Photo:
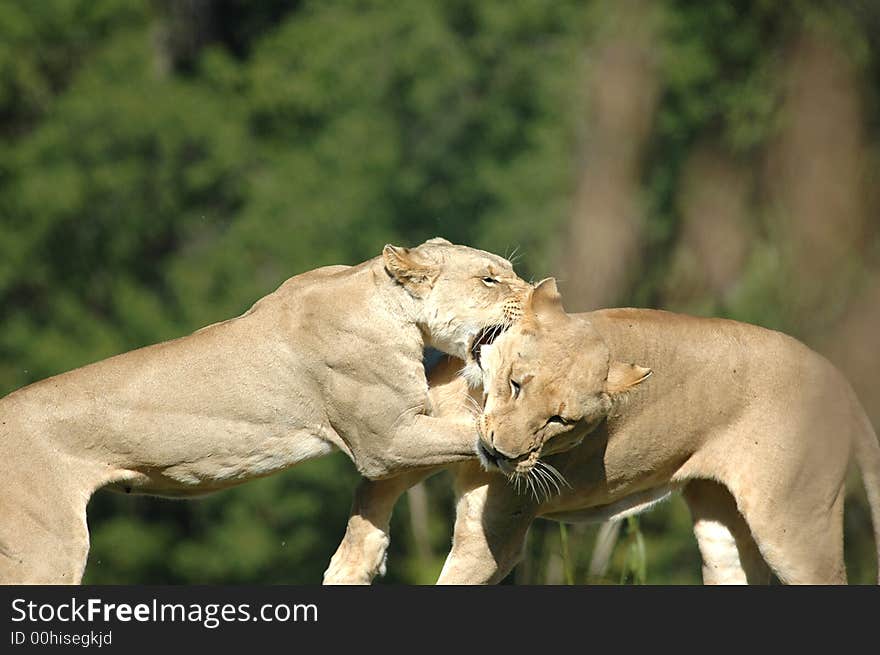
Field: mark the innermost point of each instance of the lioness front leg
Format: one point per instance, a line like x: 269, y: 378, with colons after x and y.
x: 423, y: 442
x: 361, y: 555
x: 491, y: 523
x: 44, y: 538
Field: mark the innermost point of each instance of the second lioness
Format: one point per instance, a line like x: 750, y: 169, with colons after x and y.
x: 755, y: 429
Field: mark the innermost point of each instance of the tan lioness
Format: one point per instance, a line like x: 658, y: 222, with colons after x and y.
x: 600, y: 415
x: 331, y: 360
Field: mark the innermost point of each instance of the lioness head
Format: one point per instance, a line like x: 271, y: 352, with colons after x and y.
x: 466, y: 297
x: 549, y: 381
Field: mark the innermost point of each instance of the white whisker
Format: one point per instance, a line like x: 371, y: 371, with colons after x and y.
x: 530, y: 483
x: 557, y: 474
x: 549, y: 483
x: 536, y: 488
x: 414, y: 410
x: 539, y: 465
x: 517, y: 479
x: 542, y: 485
x: 470, y: 400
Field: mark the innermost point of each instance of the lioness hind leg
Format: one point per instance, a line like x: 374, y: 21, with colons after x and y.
x: 730, y: 554
x: 805, y: 548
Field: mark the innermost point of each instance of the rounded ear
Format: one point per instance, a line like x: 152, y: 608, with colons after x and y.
x: 440, y: 241
x: 545, y: 298
x: 622, y: 377
x: 410, y: 270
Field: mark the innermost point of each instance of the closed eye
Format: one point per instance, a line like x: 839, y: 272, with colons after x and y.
x: 490, y: 281
x: 515, y: 388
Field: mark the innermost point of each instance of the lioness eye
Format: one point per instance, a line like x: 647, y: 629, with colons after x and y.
x: 514, y: 388
x: 489, y: 280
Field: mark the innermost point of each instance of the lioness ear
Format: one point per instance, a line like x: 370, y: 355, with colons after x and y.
x: 440, y: 241
x: 625, y: 376
x: 545, y: 298
x: 415, y: 274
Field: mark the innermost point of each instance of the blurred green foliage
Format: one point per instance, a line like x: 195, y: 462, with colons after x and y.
x: 161, y: 170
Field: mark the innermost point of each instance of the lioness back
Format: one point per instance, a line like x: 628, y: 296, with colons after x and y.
x: 722, y: 351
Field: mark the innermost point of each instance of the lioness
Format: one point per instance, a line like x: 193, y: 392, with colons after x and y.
x: 331, y: 360
x: 754, y: 428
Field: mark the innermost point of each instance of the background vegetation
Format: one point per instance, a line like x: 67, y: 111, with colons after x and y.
x: 164, y: 164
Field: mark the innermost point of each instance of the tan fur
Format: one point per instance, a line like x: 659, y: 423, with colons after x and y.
x: 767, y: 420
x: 361, y: 555
x: 331, y: 360
x: 755, y: 429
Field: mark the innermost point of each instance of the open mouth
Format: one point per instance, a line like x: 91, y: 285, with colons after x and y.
x: 485, y: 337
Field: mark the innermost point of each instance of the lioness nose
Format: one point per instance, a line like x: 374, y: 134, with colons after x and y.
x: 492, y: 453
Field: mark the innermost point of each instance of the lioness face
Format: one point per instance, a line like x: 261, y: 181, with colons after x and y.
x: 468, y: 297
x: 549, y: 382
